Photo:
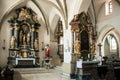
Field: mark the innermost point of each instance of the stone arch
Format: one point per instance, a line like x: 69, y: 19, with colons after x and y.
x: 54, y: 25
x: 28, y: 4
x: 53, y: 14
x: 4, y: 26
x: 108, y: 30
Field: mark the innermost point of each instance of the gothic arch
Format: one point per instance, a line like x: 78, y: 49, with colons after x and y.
x: 108, y: 30
x: 54, y: 26
x: 23, y: 3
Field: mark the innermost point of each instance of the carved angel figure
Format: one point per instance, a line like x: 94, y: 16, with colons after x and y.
x: 22, y: 14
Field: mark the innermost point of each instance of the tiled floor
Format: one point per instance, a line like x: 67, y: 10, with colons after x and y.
x: 38, y: 74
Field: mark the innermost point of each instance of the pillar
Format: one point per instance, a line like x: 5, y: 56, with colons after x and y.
x: 16, y: 35
x: 32, y: 37
x: 11, y: 33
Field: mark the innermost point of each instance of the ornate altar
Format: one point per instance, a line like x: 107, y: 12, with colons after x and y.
x: 59, y: 37
x: 83, y: 39
x: 24, y: 41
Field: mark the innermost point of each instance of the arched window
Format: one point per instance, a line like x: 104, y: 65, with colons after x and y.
x: 112, y: 43
x: 108, y: 7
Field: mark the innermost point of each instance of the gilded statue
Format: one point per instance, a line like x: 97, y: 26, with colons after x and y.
x: 25, y: 54
x: 20, y: 37
x: 24, y: 39
x: 28, y: 38
x: 36, y: 44
x: 35, y: 18
x: 12, y: 42
x: 83, y: 19
x: 77, y: 46
x: 25, y: 29
x: 93, y: 47
x: 75, y: 18
x: 23, y: 13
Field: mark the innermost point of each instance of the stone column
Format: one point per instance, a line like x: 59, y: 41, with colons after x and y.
x: 32, y: 36
x: 11, y: 33
x: 16, y: 35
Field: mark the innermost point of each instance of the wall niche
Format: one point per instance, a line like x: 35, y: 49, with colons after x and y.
x: 24, y: 40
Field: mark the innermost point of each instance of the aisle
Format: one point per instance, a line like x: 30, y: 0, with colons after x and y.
x: 38, y: 74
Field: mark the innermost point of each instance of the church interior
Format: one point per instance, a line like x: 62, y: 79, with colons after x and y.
x: 61, y: 39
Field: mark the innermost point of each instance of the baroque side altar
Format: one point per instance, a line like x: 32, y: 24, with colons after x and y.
x: 24, y: 37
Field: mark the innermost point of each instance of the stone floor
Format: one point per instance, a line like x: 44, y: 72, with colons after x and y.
x: 54, y: 74
x: 39, y: 74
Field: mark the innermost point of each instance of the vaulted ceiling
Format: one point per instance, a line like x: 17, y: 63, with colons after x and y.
x: 50, y: 11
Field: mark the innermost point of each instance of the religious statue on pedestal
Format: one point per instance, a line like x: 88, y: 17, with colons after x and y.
x: 20, y: 37
x: 22, y: 14
x: 25, y: 54
x: 12, y: 42
x: 47, y: 51
x: 77, y: 46
x: 36, y: 44
x: 28, y: 38
x: 24, y: 39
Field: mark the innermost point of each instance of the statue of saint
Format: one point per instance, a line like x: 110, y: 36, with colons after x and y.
x: 20, y: 37
x: 77, y: 46
x: 93, y: 47
x: 35, y: 18
x: 28, y: 38
x: 25, y: 54
x: 24, y: 39
x: 22, y: 15
x: 25, y: 29
x: 47, y: 51
x: 75, y: 18
x: 36, y: 44
x: 12, y: 42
